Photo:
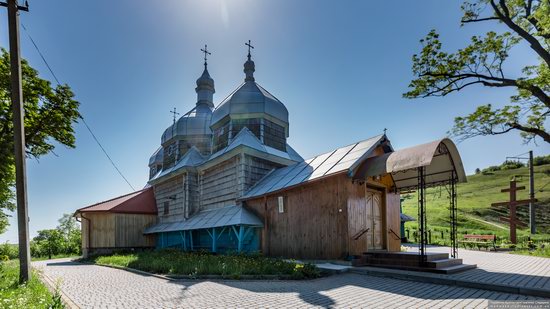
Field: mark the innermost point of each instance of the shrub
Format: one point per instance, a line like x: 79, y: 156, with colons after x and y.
x: 195, y: 264
x: 9, y: 250
x: 511, y: 165
x: 541, y: 160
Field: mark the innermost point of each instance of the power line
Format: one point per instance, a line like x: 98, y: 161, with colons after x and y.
x: 81, y: 117
x: 40, y: 53
x: 105, y: 152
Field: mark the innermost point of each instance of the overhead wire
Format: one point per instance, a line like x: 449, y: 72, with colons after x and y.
x: 81, y: 117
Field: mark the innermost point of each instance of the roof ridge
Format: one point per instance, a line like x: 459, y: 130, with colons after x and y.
x: 112, y: 199
x: 229, y: 95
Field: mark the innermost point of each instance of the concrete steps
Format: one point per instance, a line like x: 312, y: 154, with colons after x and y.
x: 435, y: 262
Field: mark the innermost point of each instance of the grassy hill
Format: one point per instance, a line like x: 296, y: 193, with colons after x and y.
x: 475, y: 214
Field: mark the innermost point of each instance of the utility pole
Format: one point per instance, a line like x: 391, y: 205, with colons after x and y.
x: 19, y: 139
x: 532, y: 222
x: 532, y: 206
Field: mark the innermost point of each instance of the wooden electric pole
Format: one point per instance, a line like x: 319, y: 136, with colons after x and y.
x: 532, y: 221
x: 19, y: 139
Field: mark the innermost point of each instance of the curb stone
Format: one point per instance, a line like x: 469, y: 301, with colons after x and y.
x: 200, y: 277
x: 51, y: 286
x: 453, y: 282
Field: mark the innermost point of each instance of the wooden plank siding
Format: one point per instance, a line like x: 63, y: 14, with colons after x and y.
x: 116, y: 230
x: 321, y: 218
x: 393, y: 221
x: 129, y: 230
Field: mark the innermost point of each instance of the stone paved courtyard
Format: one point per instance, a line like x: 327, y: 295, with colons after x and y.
x: 501, y: 268
x: 90, y: 286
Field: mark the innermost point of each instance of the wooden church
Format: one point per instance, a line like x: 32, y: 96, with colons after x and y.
x: 225, y: 179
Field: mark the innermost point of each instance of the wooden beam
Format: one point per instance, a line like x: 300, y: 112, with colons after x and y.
x: 515, y: 203
x: 214, y: 240
x: 517, y: 189
x: 518, y: 222
x: 241, y: 238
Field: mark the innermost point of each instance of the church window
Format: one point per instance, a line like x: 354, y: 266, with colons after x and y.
x: 166, y: 208
x: 252, y: 124
x: 274, y: 135
x: 171, y: 150
x: 221, y: 136
x: 281, y: 202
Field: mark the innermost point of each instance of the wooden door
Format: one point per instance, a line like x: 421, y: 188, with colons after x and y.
x: 375, y: 223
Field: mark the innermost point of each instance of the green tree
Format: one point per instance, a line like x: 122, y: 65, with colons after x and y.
x: 48, y: 243
x: 50, y: 113
x: 70, y: 231
x: 482, y: 62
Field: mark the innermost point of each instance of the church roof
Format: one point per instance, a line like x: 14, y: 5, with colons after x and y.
x: 192, y: 158
x: 220, y: 217
x: 250, y: 98
x: 139, y: 202
x: 194, y: 122
x: 246, y: 138
x: 157, y: 157
x: 344, y: 159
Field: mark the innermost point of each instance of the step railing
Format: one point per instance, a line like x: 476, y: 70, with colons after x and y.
x: 393, y: 233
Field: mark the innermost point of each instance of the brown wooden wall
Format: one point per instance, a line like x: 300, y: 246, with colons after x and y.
x: 129, y: 230
x: 393, y: 221
x: 314, y: 222
x: 321, y: 218
x: 112, y: 230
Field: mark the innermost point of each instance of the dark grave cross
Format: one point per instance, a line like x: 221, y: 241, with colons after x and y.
x: 512, y: 204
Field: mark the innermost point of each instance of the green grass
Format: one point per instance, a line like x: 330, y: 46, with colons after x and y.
x: 175, y: 262
x: 33, y: 294
x: 541, y: 252
x: 474, y: 203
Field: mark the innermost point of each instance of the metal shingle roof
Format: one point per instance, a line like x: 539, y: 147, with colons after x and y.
x: 339, y: 160
x: 246, y: 138
x: 226, y: 216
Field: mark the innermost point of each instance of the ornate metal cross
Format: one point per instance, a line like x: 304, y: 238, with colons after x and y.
x: 175, y: 114
x: 206, y: 53
x: 513, y: 219
x: 249, y: 47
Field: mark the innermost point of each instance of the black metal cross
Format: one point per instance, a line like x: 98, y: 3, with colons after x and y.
x: 249, y: 47
x: 206, y: 53
x: 175, y: 114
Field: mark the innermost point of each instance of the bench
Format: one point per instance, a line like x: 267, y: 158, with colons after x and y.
x: 480, y: 241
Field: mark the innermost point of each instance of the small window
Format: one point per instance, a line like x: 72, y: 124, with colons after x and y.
x: 281, y: 204
x: 166, y: 207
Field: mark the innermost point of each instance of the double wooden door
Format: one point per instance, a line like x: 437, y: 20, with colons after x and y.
x: 366, y: 222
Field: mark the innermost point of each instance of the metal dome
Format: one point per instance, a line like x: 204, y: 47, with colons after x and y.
x: 157, y: 157
x: 250, y: 98
x: 195, y: 122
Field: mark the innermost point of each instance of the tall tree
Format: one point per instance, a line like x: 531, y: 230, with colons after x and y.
x: 50, y: 114
x: 482, y: 62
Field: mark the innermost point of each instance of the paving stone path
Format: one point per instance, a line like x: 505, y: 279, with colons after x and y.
x: 502, y: 268
x: 90, y: 286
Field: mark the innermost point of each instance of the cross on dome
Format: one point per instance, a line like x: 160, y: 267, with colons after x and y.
x: 175, y: 114
x: 249, y: 47
x: 206, y: 53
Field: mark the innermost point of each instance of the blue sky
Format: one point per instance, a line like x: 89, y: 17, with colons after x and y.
x: 340, y: 67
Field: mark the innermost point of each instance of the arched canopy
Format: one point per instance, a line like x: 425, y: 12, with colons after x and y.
x: 440, y: 159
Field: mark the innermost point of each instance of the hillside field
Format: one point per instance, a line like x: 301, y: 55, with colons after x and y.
x: 475, y: 214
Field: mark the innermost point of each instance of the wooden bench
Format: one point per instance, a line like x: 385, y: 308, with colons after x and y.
x: 479, y: 241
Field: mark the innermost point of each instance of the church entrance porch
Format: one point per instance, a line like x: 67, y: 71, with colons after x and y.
x: 415, y: 169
